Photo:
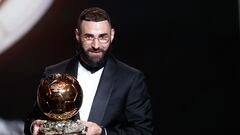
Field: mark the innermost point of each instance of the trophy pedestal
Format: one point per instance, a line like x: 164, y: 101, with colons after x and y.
x: 66, y: 127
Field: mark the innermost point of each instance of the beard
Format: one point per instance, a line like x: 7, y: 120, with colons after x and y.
x: 91, y: 60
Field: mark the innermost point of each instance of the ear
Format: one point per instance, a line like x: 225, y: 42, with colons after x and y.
x: 77, y: 34
x: 112, y: 34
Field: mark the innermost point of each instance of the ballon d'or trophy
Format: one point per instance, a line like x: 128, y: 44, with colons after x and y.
x: 59, y: 97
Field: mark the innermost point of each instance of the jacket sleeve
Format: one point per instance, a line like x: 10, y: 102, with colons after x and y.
x: 138, y: 111
x: 35, y: 114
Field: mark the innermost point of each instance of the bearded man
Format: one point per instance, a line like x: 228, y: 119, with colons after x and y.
x: 115, y: 96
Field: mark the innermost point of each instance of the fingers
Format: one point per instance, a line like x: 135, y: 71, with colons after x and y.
x: 36, y: 125
x: 92, y: 128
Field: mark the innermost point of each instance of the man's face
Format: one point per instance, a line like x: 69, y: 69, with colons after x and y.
x: 95, y: 38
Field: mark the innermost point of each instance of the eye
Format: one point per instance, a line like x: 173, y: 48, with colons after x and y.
x: 103, y: 37
x: 88, y: 37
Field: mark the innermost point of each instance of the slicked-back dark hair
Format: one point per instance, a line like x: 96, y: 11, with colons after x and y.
x: 94, y: 14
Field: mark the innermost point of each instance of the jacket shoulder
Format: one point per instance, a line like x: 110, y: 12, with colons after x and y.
x: 59, y: 64
x: 127, y: 69
x: 59, y: 67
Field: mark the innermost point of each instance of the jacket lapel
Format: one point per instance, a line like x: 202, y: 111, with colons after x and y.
x: 72, y: 67
x: 103, y: 93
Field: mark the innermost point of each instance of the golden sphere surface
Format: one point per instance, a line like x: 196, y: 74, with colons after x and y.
x: 59, y: 96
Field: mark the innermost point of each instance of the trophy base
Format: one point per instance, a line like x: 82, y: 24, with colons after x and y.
x: 67, y: 127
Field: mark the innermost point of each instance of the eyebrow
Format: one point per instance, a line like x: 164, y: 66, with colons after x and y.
x: 103, y: 34
x: 100, y: 35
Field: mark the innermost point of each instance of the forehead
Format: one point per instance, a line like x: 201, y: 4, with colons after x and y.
x: 95, y: 27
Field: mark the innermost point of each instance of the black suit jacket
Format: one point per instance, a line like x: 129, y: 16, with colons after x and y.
x: 121, y: 105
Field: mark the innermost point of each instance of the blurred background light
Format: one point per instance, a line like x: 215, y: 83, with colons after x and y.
x: 17, y: 17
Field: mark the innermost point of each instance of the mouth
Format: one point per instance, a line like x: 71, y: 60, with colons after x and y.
x: 95, y: 53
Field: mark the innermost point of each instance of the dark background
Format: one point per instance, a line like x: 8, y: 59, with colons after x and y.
x: 186, y: 48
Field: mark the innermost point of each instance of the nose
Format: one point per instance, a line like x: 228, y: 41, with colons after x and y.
x: 95, y: 43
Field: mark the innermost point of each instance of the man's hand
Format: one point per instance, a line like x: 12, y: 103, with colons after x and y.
x: 91, y: 128
x: 36, y: 125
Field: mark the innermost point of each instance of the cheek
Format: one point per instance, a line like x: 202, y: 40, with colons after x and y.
x: 85, y: 46
x: 105, y: 47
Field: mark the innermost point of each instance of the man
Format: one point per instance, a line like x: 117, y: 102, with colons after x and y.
x: 115, y: 101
